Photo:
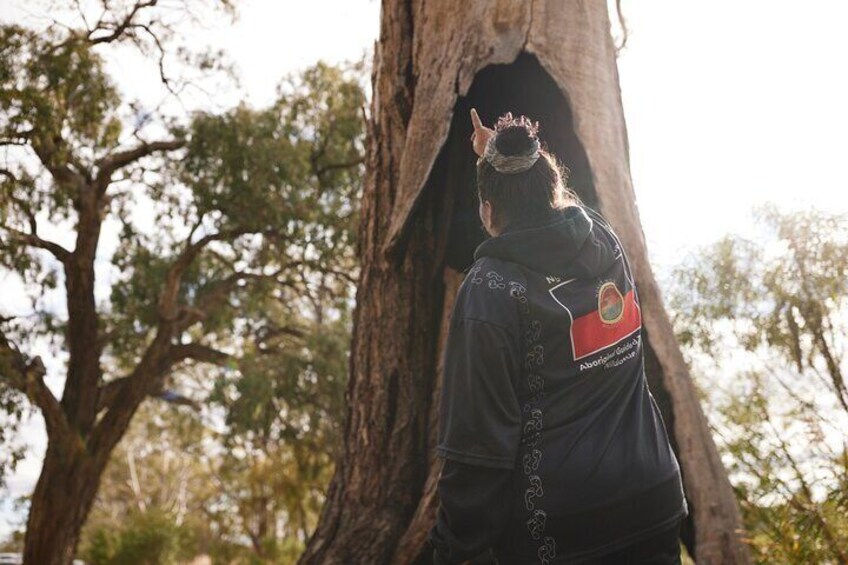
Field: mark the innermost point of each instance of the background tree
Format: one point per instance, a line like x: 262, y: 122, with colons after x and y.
x: 222, y: 220
x: 770, y: 314
x: 283, y: 417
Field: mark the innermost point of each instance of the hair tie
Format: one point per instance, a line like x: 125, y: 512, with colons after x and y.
x: 511, y: 164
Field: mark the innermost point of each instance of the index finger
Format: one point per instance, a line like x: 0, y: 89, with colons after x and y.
x: 475, y: 120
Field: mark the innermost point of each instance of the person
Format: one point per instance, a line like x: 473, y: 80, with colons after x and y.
x: 554, y: 448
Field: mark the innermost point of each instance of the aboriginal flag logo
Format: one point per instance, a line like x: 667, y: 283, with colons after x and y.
x: 602, y: 316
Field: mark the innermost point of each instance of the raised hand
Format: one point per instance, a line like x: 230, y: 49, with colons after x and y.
x: 481, y: 134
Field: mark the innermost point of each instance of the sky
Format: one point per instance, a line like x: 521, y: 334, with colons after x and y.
x: 730, y: 104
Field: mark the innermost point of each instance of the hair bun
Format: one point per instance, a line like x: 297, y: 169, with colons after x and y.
x: 515, y: 136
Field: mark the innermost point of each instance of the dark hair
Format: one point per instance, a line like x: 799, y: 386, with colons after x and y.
x: 530, y: 197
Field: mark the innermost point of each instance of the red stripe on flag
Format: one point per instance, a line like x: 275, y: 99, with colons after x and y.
x: 589, y: 334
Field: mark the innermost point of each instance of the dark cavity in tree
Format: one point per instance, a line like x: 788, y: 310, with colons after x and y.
x: 521, y: 87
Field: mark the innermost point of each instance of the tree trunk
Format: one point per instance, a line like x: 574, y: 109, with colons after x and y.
x: 63, y: 496
x: 66, y: 490
x: 553, y: 60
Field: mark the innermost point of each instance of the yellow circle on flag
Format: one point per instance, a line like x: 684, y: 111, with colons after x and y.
x: 610, y: 303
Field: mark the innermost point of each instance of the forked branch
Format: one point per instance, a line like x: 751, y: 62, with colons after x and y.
x: 27, y: 376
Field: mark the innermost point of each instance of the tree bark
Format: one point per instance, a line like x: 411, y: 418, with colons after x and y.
x: 63, y: 496
x: 415, y: 535
x: 555, y: 61
x: 393, y: 354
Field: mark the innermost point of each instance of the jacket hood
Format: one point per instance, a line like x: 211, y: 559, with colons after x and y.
x: 569, y: 245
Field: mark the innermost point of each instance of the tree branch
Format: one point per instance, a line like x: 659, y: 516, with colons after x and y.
x: 197, y: 352
x: 808, y: 507
x: 118, y: 28
x: 320, y: 170
x: 108, y: 392
x: 162, y: 75
x: 111, y: 163
x: 17, y: 138
x: 27, y: 376
x: 216, y: 293
x: 168, y: 307
x: 33, y: 240
x: 46, y: 148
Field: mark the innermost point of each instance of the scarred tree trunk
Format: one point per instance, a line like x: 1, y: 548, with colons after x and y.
x: 555, y: 61
x: 396, y: 325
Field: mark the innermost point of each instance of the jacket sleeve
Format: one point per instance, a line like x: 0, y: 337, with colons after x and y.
x: 479, y: 434
x: 479, y: 413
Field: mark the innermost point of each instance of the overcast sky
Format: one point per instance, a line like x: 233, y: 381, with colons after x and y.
x: 729, y: 104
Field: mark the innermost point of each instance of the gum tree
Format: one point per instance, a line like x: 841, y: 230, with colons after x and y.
x: 150, y: 245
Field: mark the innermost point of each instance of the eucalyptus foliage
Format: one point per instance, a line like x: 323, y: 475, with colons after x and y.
x: 767, y: 318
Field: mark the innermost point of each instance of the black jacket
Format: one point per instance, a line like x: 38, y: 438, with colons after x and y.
x: 554, y: 446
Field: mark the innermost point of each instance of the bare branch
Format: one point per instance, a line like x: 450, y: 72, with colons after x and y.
x: 82, y: 15
x: 117, y: 28
x: 162, y: 75
x: 127, y: 28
